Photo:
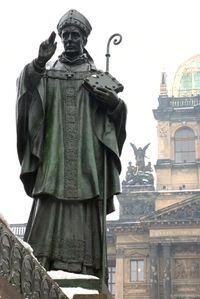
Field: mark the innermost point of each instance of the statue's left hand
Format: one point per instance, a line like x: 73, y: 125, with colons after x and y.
x: 107, y: 96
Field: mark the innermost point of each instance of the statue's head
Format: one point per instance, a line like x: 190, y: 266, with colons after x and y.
x: 74, y: 29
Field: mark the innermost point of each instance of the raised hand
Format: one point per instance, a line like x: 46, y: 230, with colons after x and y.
x: 46, y: 50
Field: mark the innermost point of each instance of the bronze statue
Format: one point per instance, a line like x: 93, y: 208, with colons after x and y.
x: 63, y: 130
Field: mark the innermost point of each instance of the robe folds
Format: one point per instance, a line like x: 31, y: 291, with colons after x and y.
x: 62, y: 133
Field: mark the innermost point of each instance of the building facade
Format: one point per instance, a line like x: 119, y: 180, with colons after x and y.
x: 154, y: 247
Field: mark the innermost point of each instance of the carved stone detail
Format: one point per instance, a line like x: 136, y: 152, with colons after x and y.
x: 137, y: 208
x: 22, y: 271
x: 119, y: 252
x: 186, y: 249
x: 163, y: 130
x: 186, y: 268
x: 183, y: 290
x: 135, y: 289
x: 183, y: 211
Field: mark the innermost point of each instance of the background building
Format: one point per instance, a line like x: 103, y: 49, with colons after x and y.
x: 154, y: 247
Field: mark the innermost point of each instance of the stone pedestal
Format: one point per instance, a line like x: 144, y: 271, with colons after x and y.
x: 92, y: 284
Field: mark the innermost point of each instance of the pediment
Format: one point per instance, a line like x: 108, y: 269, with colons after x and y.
x: 186, y: 210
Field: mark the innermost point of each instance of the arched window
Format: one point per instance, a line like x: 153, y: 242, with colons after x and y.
x: 184, y: 145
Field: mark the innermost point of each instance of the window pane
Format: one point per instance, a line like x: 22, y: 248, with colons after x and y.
x: 184, y: 157
x: 141, y: 265
x: 184, y: 145
x: 178, y: 134
x: 140, y: 276
x: 184, y: 133
x: 178, y: 158
x: 197, y: 80
x: 133, y: 266
x: 133, y: 270
x: 178, y: 146
x: 133, y: 276
x: 113, y: 289
x: 140, y: 270
x: 186, y: 81
x: 190, y: 134
x: 191, y: 157
x: 113, y: 277
x: 191, y: 145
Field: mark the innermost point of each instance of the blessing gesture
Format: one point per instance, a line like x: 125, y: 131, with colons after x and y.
x: 46, y: 50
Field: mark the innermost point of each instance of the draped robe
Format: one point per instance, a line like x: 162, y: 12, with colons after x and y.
x: 63, y: 131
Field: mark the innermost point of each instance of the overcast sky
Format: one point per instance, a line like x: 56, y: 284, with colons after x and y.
x: 156, y: 34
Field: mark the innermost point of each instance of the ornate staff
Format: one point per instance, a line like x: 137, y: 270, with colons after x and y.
x: 116, y: 41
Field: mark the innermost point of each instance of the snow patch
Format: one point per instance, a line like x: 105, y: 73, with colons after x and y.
x: 59, y: 274
x: 3, y: 219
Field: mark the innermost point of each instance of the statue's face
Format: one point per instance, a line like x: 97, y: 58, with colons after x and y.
x: 73, y: 41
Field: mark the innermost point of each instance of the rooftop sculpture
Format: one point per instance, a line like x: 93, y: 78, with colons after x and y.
x: 140, y: 174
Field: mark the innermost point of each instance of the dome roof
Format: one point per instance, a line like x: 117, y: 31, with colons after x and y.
x: 187, y: 78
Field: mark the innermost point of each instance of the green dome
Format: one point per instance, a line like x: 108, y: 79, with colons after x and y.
x: 187, y: 78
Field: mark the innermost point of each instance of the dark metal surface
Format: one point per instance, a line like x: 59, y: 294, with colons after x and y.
x: 64, y: 132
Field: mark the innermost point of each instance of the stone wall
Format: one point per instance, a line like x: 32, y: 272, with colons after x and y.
x: 21, y: 276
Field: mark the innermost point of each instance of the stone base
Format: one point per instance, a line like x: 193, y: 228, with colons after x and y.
x: 89, y: 284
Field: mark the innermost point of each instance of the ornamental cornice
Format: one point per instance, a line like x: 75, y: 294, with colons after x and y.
x: 172, y: 224
x: 128, y: 227
x: 144, y: 226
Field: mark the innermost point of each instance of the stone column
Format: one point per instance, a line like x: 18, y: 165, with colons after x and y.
x: 167, y: 271
x: 154, y: 271
x: 119, y: 287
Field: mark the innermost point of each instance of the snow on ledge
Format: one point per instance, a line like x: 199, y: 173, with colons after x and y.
x: 59, y: 274
x: 70, y: 292
x: 3, y: 219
